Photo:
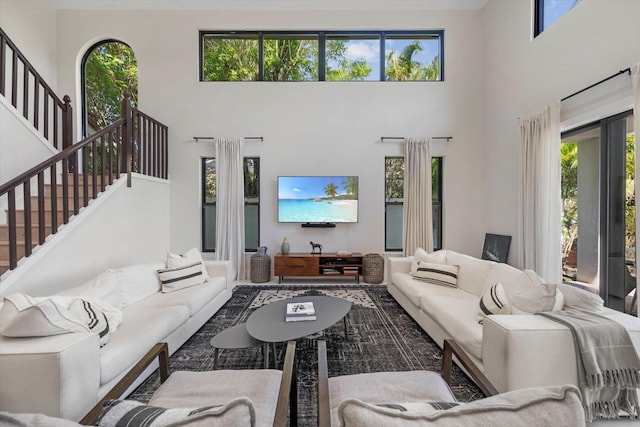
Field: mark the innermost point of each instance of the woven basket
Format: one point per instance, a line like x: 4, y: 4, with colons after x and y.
x: 373, y: 268
x: 260, y: 268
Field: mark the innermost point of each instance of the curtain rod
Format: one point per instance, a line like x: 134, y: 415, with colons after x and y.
x: 246, y: 138
x: 627, y: 70
x: 402, y: 138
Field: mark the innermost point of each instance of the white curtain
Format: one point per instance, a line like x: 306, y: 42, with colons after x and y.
x: 230, y: 203
x: 417, y: 212
x: 540, y: 205
x: 635, y: 79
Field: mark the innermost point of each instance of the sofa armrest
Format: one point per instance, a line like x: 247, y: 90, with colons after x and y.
x: 400, y: 264
x: 161, y: 351
x: 520, y: 351
x: 56, y: 375
x: 221, y: 268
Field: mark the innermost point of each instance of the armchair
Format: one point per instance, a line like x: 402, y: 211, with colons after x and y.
x: 258, y: 397
x: 424, y: 398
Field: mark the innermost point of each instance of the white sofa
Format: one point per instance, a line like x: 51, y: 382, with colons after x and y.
x: 65, y: 375
x: 513, y: 351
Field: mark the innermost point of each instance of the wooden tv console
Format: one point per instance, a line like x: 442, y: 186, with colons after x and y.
x: 318, y: 265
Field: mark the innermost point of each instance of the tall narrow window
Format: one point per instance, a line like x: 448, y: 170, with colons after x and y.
x: 251, y: 169
x: 109, y: 68
x: 394, y: 201
x: 598, y: 209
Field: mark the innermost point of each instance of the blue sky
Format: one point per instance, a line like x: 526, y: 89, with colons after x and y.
x: 370, y: 51
x: 307, y: 187
x: 554, y: 9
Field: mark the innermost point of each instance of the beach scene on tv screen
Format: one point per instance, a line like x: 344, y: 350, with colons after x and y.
x: 318, y: 199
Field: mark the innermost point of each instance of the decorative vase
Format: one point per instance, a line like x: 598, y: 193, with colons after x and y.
x: 284, y: 248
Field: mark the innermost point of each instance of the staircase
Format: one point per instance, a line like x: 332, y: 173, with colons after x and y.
x: 36, y: 208
x: 35, y: 230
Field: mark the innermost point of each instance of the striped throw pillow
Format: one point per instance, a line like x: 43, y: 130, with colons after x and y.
x: 437, y: 274
x: 130, y: 413
x: 493, y: 301
x: 173, y: 279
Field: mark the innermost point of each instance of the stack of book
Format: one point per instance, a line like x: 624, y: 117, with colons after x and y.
x: 300, y: 311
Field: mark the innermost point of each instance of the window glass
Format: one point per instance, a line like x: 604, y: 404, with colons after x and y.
x: 350, y: 57
x: 549, y: 11
x: 394, y: 200
x: 251, y: 204
x: 290, y: 58
x: 229, y: 57
x: 412, y: 57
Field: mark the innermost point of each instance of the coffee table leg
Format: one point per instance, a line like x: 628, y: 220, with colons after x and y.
x: 215, y: 357
x: 275, y: 355
x: 265, y: 354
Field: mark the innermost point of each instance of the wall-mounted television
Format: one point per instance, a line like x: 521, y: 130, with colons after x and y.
x: 318, y: 199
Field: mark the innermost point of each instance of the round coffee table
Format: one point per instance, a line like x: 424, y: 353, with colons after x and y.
x: 268, y: 323
x: 237, y: 337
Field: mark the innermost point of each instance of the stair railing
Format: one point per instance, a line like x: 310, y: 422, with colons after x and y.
x: 135, y: 143
x: 32, y: 97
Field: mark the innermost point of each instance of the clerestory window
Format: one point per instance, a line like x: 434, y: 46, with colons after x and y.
x: 322, y: 56
x: 547, y: 12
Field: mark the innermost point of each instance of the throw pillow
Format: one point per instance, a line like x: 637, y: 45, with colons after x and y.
x: 103, y: 287
x: 238, y: 412
x: 528, y: 294
x: 189, y: 257
x: 437, y: 274
x: 419, y: 407
x: 25, y: 316
x: 137, y: 282
x: 92, y: 317
x: 493, y: 301
x: 437, y: 257
x: 173, y: 279
x: 581, y: 299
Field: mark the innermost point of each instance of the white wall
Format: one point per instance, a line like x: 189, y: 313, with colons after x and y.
x: 31, y: 25
x: 593, y: 41
x: 308, y: 128
x: 124, y: 226
x: 21, y: 146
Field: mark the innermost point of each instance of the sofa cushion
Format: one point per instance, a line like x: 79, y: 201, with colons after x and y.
x: 437, y: 274
x: 137, y: 282
x: 501, y: 273
x: 141, y: 328
x: 104, y: 287
x: 493, y: 301
x: 456, y: 312
x: 194, y: 389
x: 131, y: 413
x: 34, y: 420
x: 380, y: 387
x: 194, y: 297
x: 542, y: 407
x: 174, y: 279
x: 472, y: 273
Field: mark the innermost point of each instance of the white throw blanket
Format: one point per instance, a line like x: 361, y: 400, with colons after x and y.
x: 608, y: 364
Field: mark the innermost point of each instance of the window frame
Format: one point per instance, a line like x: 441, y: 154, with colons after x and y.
x: 439, y: 204
x: 205, y: 204
x: 538, y: 16
x: 322, y: 37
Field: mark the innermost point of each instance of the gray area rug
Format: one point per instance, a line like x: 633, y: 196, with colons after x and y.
x: 382, y: 337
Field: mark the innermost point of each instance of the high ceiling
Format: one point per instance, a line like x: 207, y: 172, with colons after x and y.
x: 272, y: 4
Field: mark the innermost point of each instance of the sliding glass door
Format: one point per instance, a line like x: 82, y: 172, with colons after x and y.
x: 598, y: 208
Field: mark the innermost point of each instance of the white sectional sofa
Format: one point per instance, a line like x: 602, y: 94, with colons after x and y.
x: 513, y: 351
x: 64, y: 375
